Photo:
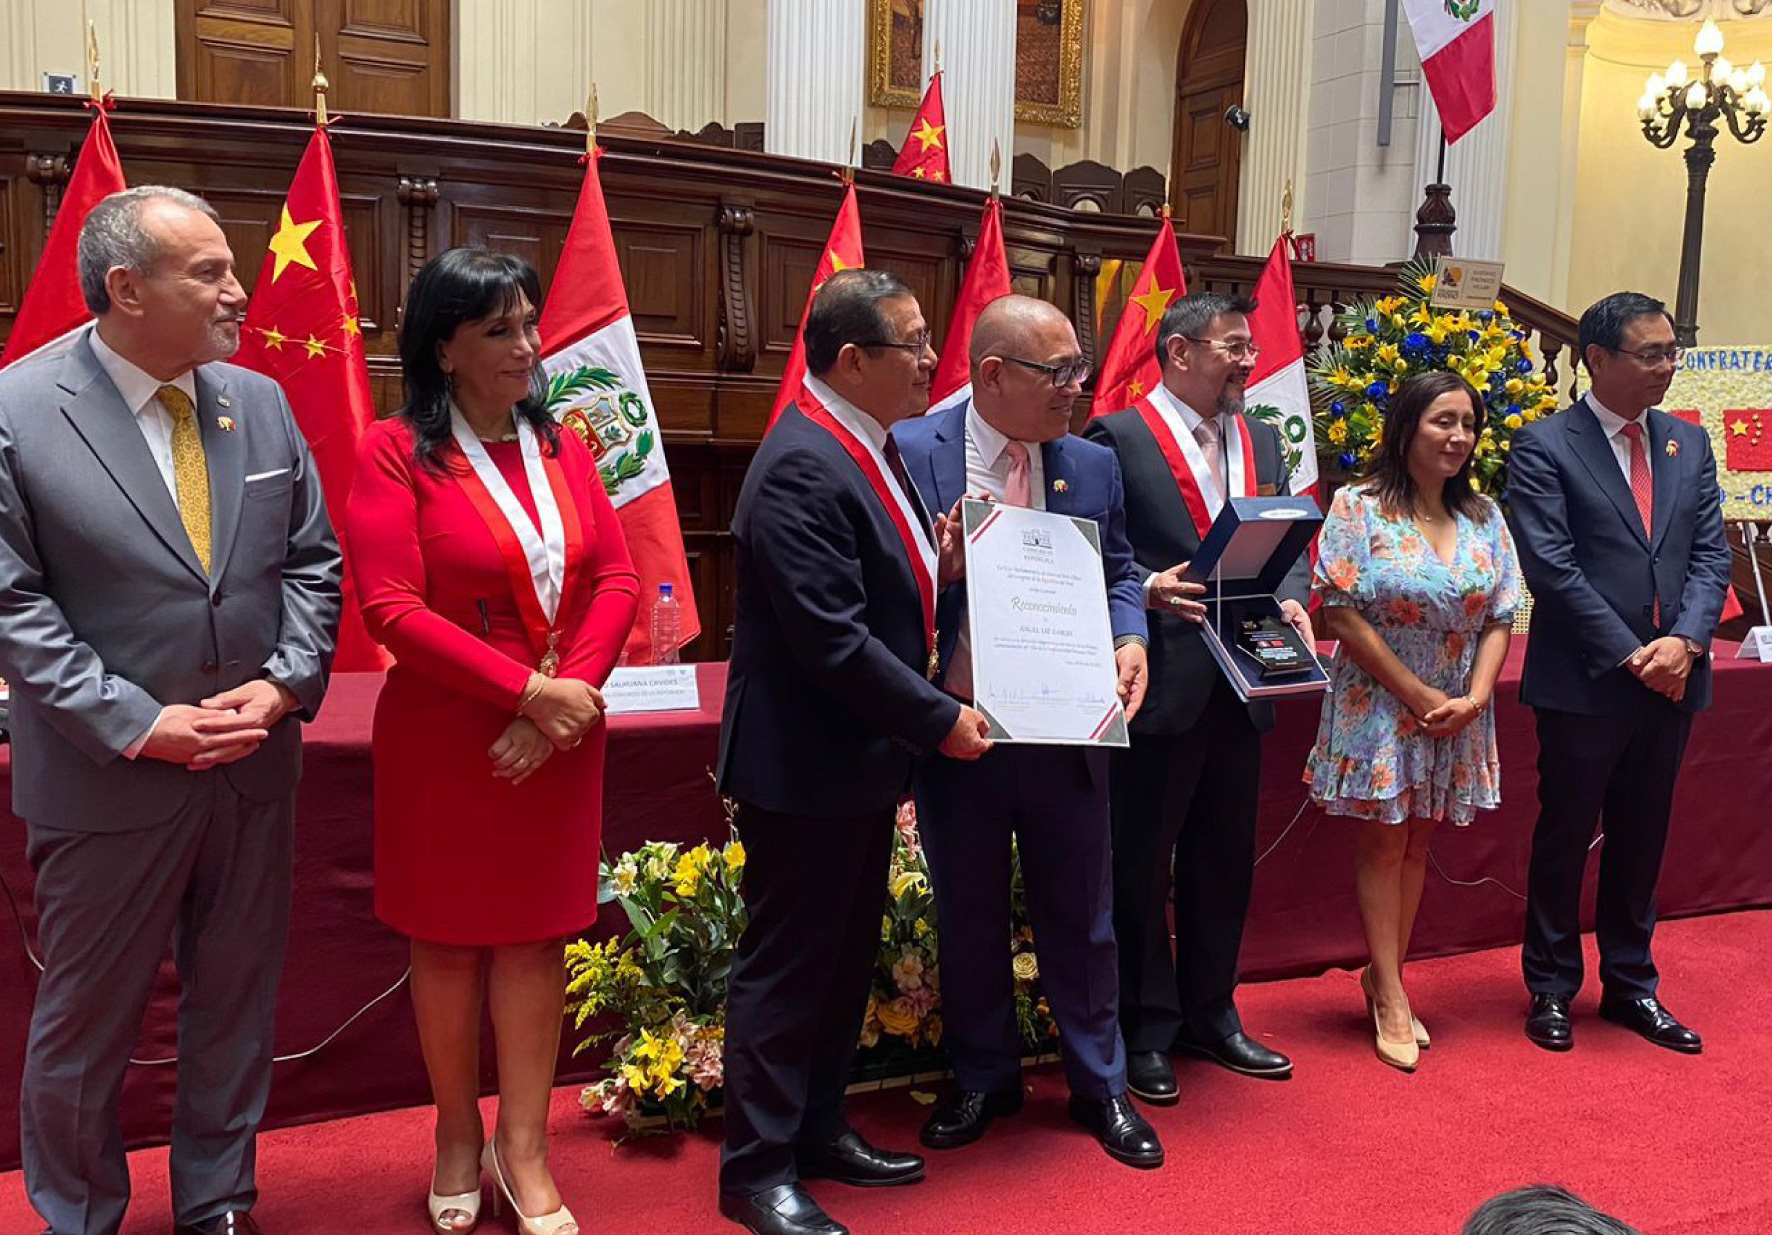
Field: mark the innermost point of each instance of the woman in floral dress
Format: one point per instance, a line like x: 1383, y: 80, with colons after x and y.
x: 1419, y: 582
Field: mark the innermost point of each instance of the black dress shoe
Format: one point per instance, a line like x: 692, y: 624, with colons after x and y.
x: 1240, y: 1053
x: 785, y: 1210
x: 1151, y: 1078
x: 851, y: 1160
x: 1654, y: 1022
x: 963, y: 1118
x: 239, y: 1223
x: 1122, y: 1131
x: 1548, y: 1024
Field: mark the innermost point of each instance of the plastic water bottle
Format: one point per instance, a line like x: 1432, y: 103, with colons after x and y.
x: 667, y: 627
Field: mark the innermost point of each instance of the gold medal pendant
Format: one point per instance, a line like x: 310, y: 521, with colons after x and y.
x: 934, y: 657
x: 550, y: 659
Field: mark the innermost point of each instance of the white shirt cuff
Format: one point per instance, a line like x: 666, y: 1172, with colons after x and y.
x: 135, y: 747
x: 1148, y: 581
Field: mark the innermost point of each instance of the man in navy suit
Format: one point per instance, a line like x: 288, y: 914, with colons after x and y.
x: 1618, y: 519
x: 828, y: 703
x: 1185, y: 794
x: 1010, y: 442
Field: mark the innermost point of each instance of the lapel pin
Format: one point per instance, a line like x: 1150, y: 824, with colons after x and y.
x: 224, y: 401
x: 225, y: 423
x: 1673, y: 449
x: 1060, y: 486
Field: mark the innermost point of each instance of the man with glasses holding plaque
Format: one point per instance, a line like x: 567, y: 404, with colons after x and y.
x: 1185, y: 793
x: 1618, y: 520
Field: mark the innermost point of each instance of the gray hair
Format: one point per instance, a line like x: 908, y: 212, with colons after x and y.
x: 1193, y: 314
x: 113, y: 236
x: 1542, y: 1210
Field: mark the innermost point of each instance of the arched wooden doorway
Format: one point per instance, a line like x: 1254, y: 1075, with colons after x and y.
x: 1207, y: 153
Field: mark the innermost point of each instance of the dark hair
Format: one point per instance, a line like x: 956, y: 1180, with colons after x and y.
x: 1387, y: 474
x: 1605, y: 320
x: 1542, y: 1210
x: 462, y: 285
x: 847, y: 310
x: 1192, y: 314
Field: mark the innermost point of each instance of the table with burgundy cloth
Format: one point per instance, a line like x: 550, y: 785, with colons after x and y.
x: 657, y: 787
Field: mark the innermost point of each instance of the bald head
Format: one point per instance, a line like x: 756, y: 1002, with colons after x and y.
x: 1019, y: 346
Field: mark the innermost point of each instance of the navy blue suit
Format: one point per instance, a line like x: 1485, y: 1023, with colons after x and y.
x: 1053, y: 801
x: 826, y: 710
x: 1608, y: 745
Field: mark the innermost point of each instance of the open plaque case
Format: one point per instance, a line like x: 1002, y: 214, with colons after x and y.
x: 1242, y: 563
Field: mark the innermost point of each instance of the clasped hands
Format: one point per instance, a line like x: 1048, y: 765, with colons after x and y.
x: 1441, y: 715
x: 556, y: 713
x: 221, y: 729
x: 1663, y: 665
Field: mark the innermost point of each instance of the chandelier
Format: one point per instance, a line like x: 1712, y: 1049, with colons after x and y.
x: 1721, y: 91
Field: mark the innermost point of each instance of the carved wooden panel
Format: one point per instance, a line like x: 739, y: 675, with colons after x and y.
x: 391, y: 55
x: 667, y: 293
x: 12, y: 248
x: 244, y: 51
x: 536, y: 236
x: 789, y: 262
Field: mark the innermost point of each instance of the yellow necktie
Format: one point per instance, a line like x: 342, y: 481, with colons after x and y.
x: 190, y: 470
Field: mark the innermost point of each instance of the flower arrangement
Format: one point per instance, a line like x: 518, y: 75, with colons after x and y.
x: 1390, y: 338
x: 657, y: 996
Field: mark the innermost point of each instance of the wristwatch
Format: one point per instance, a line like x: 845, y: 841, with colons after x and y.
x: 1694, y: 647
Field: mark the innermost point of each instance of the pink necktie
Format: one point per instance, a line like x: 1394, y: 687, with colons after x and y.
x: 1207, y: 436
x: 1642, y: 488
x: 1015, y: 490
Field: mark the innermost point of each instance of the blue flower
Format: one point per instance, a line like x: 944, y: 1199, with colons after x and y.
x: 1372, y: 325
x: 1524, y: 366
x: 1513, y: 409
x: 1414, y: 341
x: 1377, y: 391
x: 1476, y: 336
x: 1485, y: 315
x: 1347, y: 460
x: 1338, y: 409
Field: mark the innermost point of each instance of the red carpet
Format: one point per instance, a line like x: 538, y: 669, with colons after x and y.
x: 1675, y: 1145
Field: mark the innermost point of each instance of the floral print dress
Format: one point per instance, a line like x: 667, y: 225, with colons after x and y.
x: 1371, y: 759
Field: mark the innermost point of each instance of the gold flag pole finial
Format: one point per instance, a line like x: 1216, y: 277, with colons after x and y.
x: 1286, y: 210
x: 937, y: 58
x: 92, y: 83
x: 849, y: 167
x: 591, y: 122
x: 996, y: 164
x: 321, y: 86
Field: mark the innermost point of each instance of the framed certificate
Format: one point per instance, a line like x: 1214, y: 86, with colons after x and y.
x: 1042, y: 645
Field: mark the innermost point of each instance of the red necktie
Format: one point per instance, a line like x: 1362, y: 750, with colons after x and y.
x: 1642, y: 488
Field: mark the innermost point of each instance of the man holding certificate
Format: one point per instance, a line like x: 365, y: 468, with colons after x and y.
x: 828, y: 702
x: 1188, y: 787
x: 1011, y: 443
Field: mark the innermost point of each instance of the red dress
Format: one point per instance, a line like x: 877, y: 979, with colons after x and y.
x: 462, y: 857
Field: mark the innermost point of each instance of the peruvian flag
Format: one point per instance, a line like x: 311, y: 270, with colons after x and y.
x: 841, y: 252
x: 1131, y: 370
x: 597, y: 389
x: 925, y: 153
x: 301, y: 329
x: 987, y: 279
x: 1456, y: 39
x: 1277, y: 392
x: 53, y: 306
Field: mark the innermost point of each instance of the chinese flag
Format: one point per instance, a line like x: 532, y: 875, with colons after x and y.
x: 1747, y: 438
x: 301, y: 329
x: 597, y: 388
x: 1131, y: 369
x: 925, y: 153
x: 841, y: 252
x: 987, y: 278
x: 53, y: 305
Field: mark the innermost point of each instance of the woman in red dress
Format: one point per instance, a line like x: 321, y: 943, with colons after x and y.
x: 490, y: 564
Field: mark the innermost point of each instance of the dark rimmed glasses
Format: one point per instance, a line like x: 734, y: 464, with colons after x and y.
x: 1062, y: 374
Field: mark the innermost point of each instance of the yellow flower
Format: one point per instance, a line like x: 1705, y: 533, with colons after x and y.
x: 1337, y: 431
x: 1513, y: 421
x: 1514, y: 386
x: 734, y: 855
x: 1429, y: 282
x: 1359, y: 342
x: 625, y: 878
x: 635, y: 1077
x: 1387, y: 354
x: 1421, y: 316
x: 1026, y: 966
x: 687, y: 875
x: 932, y: 1029
x: 1437, y: 331
x: 1400, y: 365
x: 1397, y: 321
x: 898, y: 1017
x: 906, y: 881
x: 920, y: 928
x: 1389, y: 305
x: 1501, y: 307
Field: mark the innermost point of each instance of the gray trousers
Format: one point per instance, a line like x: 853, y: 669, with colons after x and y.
x: 216, y: 882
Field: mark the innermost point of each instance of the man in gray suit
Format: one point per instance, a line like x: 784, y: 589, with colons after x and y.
x: 169, y: 598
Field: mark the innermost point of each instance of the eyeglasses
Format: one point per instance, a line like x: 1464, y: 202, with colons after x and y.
x: 1236, y: 349
x: 1062, y: 374
x: 1653, y: 357
x: 916, y: 346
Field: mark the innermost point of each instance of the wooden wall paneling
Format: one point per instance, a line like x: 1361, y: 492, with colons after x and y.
x: 12, y: 249
x: 244, y: 51
x: 389, y: 56
x: 736, y: 339
x: 662, y: 264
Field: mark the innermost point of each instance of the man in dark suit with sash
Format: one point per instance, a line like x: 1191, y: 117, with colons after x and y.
x: 1011, y: 441
x: 1185, y: 794
x: 1616, y: 512
x: 828, y: 704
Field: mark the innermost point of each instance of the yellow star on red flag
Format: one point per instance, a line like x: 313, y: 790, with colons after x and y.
x: 314, y: 346
x: 274, y: 338
x: 929, y: 135
x: 1738, y: 428
x: 1153, y: 302
x: 290, y: 244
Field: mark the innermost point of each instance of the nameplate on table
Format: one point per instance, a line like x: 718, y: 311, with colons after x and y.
x: 651, y: 688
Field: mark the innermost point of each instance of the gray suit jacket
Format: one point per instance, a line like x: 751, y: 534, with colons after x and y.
x: 105, y: 612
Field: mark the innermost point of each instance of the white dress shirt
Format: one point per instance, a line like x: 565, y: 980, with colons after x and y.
x: 987, y: 471
x: 1183, y: 420
x: 872, y: 435
x: 140, y: 392
x: 1613, y: 424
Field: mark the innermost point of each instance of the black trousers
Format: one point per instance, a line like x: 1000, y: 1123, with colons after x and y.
x: 815, y: 890
x: 1621, y: 769
x: 1184, y: 816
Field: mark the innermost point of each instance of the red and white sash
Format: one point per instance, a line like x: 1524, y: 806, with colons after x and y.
x: 919, y: 552
x: 541, y: 565
x: 1187, y: 463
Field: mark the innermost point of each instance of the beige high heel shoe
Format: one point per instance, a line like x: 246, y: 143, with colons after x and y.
x: 1405, y: 1056
x: 546, y: 1224
x: 462, y: 1202
x: 1415, y: 1025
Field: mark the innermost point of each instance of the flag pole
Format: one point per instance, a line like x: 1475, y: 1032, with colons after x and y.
x: 92, y: 83
x: 849, y: 167
x: 591, y: 121
x: 937, y: 72
x: 996, y: 164
x: 321, y: 85
x: 1286, y: 209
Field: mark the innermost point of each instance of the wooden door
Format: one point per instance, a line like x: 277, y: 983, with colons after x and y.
x: 1207, y: 153
x: 378, y: 55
